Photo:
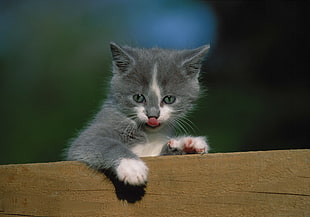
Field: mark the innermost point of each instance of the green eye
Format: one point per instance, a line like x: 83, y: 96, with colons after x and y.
x: 139, y: 98
x: 169, y: 99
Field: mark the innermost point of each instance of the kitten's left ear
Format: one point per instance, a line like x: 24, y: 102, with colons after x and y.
x: 194, y: 59
x: 121, y: 59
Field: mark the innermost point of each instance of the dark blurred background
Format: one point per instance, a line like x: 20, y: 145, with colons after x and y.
x: 55, y: 63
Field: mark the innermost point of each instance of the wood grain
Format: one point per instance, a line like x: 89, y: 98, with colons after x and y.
x: 271, y: 183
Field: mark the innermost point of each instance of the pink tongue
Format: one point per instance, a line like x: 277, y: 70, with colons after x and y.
x: 153, y: 122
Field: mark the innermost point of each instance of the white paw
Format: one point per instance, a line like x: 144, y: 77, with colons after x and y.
x: 132, y: 171
x: 190, y: 144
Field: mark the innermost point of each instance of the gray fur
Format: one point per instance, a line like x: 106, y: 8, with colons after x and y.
x: 116, y: 129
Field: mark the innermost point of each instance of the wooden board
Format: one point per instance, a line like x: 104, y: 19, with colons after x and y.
x: 271, y: 183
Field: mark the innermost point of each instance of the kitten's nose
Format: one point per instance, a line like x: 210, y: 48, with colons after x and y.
x: 152, y: 117
x: 153, y: 113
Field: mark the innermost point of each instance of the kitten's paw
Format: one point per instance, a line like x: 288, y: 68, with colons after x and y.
x: 132, y: 172
x: 190, y: 145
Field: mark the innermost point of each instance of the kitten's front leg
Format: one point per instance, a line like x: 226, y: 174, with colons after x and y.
x: 103, y: 153
x: 186, y: 145
x: 132, y: 171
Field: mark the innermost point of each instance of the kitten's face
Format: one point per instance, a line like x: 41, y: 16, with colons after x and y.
x: 155, y: 87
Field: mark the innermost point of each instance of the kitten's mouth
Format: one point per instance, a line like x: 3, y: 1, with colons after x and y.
x: 153, y: 122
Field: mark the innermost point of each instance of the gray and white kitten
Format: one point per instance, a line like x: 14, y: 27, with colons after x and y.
x: 151, y: 90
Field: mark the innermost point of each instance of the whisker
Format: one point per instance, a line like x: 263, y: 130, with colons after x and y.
x: 171, y: 124
x: 189, y: 124
x: 180, y: 126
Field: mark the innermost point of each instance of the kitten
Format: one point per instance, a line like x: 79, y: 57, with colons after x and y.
x: 151, y: 90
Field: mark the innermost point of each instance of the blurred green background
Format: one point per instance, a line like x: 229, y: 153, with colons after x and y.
x: 55, y: 64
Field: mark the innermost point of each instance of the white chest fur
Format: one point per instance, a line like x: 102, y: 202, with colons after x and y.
x: 153, y: 146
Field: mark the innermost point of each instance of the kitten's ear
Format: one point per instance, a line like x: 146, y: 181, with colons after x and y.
x: 121, y: 59
x: 194, y: 59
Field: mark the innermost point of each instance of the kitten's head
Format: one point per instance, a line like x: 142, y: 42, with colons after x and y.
x: 155, y: 87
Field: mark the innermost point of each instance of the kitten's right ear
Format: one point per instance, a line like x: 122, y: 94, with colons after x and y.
x: 194, y: 59
x: 121, y: 59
